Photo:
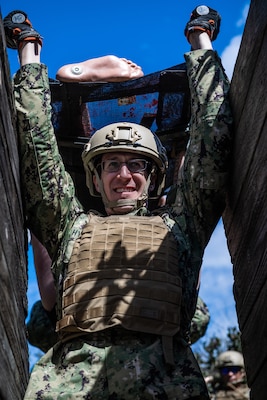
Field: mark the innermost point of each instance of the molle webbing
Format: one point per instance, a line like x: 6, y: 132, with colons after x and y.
x: 123, y: 271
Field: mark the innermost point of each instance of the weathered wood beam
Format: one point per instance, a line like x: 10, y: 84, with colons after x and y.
x: 246, y: 218
x: 14, y: 366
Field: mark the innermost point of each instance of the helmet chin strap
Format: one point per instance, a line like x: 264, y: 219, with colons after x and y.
x: 134, y: 203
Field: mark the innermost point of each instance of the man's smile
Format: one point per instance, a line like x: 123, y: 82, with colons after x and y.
x: 125, y: 189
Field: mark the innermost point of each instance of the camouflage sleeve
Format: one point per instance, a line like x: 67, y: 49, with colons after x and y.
x: 48, y: 190
x: 200, y: 193
x: 41, y: 328
x: 200, y: 321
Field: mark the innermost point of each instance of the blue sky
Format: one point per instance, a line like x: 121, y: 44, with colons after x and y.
x: 150, y: 33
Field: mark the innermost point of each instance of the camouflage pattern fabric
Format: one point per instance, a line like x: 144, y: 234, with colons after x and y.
x: 40, y: 329
x: 125, y: 367
x: 200, y: 321
x: 239, y: 393
x: 101, y: 367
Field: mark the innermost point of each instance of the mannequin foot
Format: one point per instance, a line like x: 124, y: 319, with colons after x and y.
x: 102, y: 69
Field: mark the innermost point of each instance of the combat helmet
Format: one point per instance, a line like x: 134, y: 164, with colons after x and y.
x: 125, y: 137
x: 229, y: 358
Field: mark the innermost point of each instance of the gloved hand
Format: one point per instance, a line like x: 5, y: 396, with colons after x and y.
x: 18, y: 29
x: 204, y: 18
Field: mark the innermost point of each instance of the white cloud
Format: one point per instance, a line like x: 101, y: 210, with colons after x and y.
x: 229, y: 55
x: 242, y: 20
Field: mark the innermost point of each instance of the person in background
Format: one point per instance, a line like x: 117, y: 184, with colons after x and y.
x: 229, y: 380
x: 126, y: 281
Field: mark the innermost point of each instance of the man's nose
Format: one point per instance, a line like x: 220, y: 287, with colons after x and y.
x: 124, y: 171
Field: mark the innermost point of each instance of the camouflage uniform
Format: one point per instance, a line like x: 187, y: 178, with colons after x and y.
x: 240, y: 392
x: 41, y: 330
x: 116, y: 363
x: 200, y: 321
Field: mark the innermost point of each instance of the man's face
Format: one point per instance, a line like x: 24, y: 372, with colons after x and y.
x: 232, y: 374
x: 122, y: 183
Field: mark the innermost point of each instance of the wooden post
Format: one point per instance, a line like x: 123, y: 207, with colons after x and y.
x: 14, y: 364
x: 246, y: 217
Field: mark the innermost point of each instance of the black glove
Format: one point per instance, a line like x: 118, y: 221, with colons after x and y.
x: 18, y: 29
x: 204, y: 18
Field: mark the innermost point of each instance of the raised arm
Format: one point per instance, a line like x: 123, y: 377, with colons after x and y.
x: 45, y: 279
x: 203, y: 178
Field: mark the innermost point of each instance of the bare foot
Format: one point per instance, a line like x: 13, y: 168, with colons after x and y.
x: 101, y: 69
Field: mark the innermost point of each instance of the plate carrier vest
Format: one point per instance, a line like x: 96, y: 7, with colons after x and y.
x: 123, y: 271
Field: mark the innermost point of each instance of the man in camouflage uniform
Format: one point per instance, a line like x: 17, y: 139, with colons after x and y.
x: 125, y: 300
x: 230, y: 384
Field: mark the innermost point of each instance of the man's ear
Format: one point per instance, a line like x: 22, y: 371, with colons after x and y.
x: 96, y: 184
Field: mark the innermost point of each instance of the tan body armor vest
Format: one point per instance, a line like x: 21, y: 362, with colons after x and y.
x: 123, y: 271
